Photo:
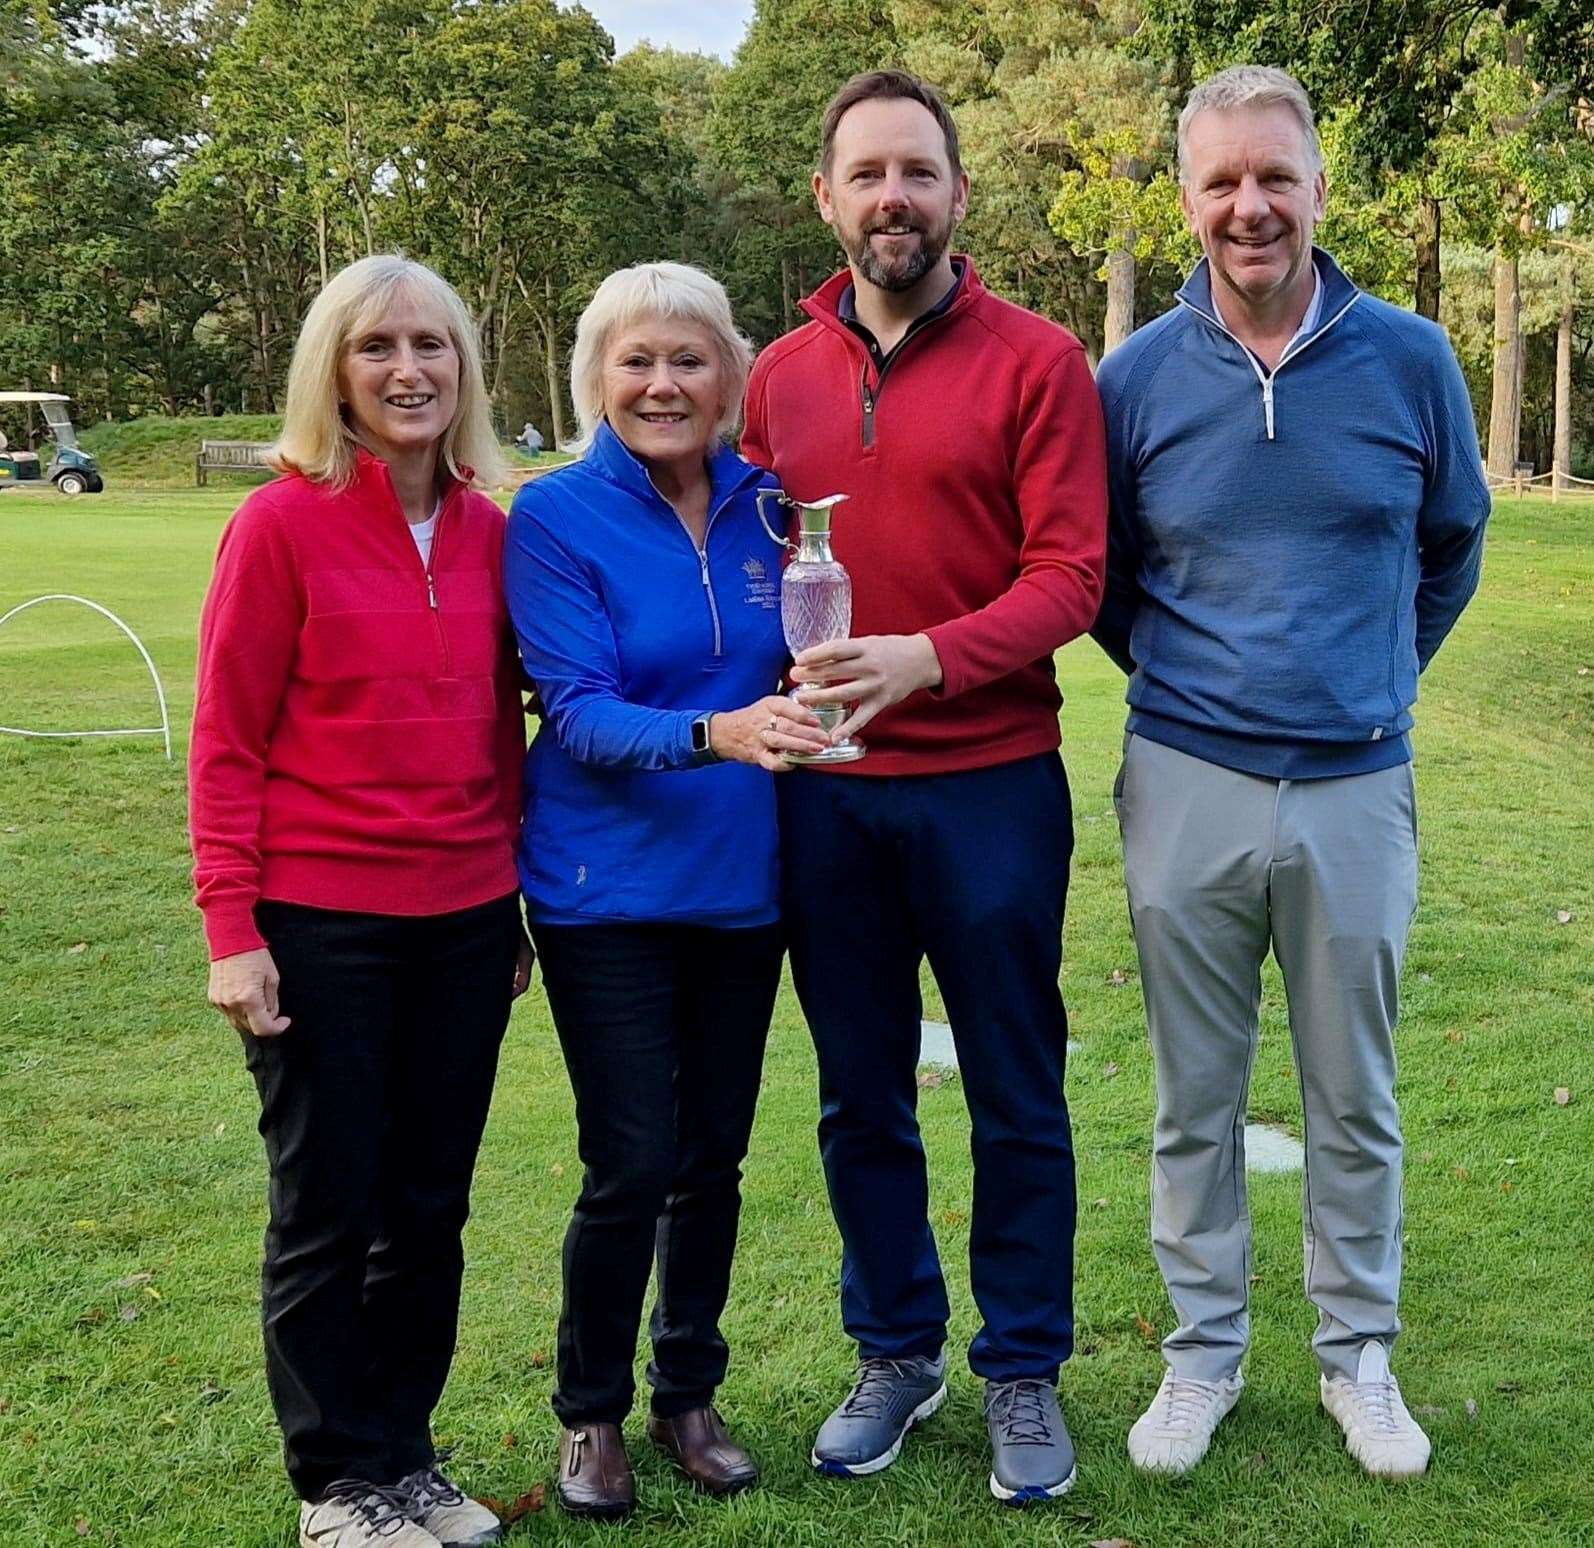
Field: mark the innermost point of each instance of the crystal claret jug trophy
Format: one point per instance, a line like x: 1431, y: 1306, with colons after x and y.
x: 815, y: 604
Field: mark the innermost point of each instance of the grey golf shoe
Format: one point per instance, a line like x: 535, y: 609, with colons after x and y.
x: 448, y: 1513
x: 887, y: 1399
x: 1032, y: 1457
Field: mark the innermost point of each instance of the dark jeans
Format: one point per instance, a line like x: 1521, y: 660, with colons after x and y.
x: 971, y: 871
x: 663, y: 1029
x: 372, y: 1108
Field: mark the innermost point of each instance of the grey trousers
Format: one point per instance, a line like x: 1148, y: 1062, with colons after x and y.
x: 1219, y: 867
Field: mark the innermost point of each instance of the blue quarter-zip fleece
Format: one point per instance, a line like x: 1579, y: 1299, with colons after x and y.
x: 1287, y: 550
x: 630, y: 634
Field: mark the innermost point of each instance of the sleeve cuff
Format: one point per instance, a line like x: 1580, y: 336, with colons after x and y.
x: 231, y: 930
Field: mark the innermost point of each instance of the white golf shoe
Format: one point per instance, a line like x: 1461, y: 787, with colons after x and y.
x: 1379, y: 1430
x: 1174, y: 1433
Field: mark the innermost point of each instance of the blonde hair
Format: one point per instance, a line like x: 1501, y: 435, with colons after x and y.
x: 653, y: 290
x: 1244, y: 86
x: 317, y: 441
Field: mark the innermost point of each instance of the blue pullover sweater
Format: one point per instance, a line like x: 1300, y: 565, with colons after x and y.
x: 630, y: 634
x: 1286, y: 550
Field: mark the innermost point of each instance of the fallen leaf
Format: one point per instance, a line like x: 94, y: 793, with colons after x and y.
x: 1581, y: 672
x: 1564, y: 916
x: 1508, y: 1386
x: 153, y: 1293
x: 5, y: 1405
x: 1563, y: 1096
x: 211, y: 1393
x: 73, y: 951
x: 1426, y: 1157
x: 1472, y: 1409
x: 1099, y: 1204
x: 127, y: 1312
x: 1110, y: 1071
x: 953, y: 1217
x: 1454, y: 1035
x: 1460, y: 1173
x: 1147, y: 1332
x: 511, y: 1440
x: 1117, y: 978
x: 13, y: 830
x: 91, y: 1318
x: 81, y: 1527
x: 1506, y: 1187
x: 930, y: 1079
x: 557, y: 1169
x: 221, y: 1128
x: 528, y: 1504
x: 539, y: 1358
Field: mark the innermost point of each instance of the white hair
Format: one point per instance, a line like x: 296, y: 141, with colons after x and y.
x: 1250, y: 86
x: 644, y: 292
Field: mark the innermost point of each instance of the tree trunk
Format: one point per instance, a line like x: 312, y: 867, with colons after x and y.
x: 1428, y: 259
x: 321, y: 242
x: 1505, y: 404
x: 785, y: 293
x: 1120, y: 296
x: 1562, y: 463
x: 556, y: 388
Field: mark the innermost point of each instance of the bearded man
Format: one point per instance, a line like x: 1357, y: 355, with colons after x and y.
x: 968, y: 437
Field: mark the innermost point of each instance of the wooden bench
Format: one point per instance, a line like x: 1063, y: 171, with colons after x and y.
x: 230, y: 457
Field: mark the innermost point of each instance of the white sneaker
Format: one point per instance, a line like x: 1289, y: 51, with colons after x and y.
x: 1174, y: 1433
x: 1379, y: 1430
x: 448, y: 1513
x: 356, y: 1514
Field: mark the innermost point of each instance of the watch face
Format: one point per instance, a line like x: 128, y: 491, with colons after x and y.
x: 700, y: 736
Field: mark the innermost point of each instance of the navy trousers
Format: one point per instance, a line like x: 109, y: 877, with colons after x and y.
x: 969, y: 870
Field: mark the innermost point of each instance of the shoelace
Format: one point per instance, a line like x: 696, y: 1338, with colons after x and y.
x: 1181, y: 1400
x: 429, y: 1487
x: 1380, y: 1402
x: 1020, y: 1410
x: 385, y: 1507
x: 876, y: 1379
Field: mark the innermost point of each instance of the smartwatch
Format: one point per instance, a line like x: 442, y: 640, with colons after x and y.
x: 702, y: 746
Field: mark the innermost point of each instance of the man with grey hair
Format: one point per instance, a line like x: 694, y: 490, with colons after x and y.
x: 1297, y: 516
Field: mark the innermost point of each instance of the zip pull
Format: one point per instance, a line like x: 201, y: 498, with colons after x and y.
x: 868, y: 413
x: 1267, y: 403
x: 431, y: 592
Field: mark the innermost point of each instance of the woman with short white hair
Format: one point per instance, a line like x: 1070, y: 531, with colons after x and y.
x: 354, y: 801
x: 645, y: 594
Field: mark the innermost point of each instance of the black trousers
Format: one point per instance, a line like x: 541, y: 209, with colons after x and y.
x: 663, y: 1030
x: 372, y: 1106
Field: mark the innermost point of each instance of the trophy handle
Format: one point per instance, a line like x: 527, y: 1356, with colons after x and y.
x: 781, y: 498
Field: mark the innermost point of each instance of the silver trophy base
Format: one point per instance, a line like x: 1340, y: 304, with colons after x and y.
x: 846, y: 752
x: 830, y: 716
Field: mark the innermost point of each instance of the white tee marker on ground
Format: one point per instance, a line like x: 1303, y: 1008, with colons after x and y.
x: 936, y: 1046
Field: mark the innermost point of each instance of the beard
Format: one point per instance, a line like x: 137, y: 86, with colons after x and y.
x: 904, y: 270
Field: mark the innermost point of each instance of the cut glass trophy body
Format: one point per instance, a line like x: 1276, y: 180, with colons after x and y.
x: 815, y: 605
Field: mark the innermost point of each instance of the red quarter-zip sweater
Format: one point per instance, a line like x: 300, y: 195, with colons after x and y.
x: 357, y: 730
x: 977, y: 512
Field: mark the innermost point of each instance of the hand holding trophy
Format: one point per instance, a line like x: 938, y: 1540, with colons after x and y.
x: 815, y: 604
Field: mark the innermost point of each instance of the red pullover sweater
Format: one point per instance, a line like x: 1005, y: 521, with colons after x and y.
x: 977, y: 476
x: 357, y: 728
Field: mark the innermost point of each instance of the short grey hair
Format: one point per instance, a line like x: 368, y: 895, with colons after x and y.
x: 1244, y: 86
x: 637, y: 294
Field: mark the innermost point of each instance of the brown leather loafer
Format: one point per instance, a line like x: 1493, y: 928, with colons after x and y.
x: 704, y: 1451
x: 595, y: 1477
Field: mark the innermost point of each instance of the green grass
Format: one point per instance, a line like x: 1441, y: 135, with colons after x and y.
x: 131, y: 1397
x: 158, y: 452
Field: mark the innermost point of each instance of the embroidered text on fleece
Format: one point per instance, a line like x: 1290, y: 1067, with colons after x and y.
x: 1287, y: 549
x: 630, y: 633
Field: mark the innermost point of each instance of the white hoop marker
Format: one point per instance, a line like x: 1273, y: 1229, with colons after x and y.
x: 163, y: 730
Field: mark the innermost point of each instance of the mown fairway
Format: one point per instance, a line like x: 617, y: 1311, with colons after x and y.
x: 132, y: 1407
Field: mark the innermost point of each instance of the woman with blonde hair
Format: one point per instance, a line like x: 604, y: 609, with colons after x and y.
x: 645, y: 595
x: 354, y: 804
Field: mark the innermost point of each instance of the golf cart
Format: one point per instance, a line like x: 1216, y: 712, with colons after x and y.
x: 71, y: 470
